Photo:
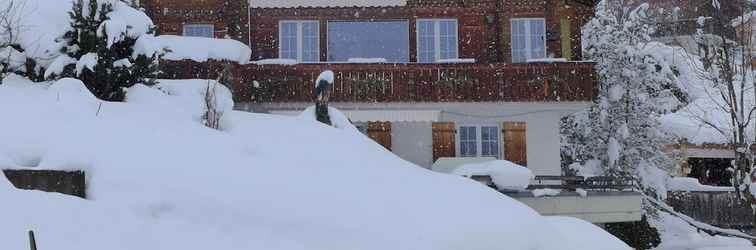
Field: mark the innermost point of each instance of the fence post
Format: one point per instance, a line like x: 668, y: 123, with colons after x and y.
x: 32, y: 242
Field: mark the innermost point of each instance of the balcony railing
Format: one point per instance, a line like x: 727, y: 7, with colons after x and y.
x: 531, y: 82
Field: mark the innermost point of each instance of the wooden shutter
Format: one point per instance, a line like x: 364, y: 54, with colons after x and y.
x: 515, y: 143
x: 380, y: 132
x: 444, y: 140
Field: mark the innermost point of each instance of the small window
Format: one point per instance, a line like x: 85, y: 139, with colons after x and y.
x: 528, y: 39
x: 199, y: 30
x: 437, y: 39
x: 479, y: 141
x: 299, y: 40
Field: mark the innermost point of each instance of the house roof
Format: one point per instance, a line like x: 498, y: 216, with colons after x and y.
x: 324, y: 3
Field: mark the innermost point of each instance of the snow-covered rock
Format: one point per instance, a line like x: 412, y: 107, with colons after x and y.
x: 157, y: 180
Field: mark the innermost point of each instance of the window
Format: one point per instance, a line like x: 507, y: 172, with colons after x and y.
x: 528, y: 39
x: 299, y: 40
x: 368, y: 39
x: 479, y: 141
x: 199, y: 30
x: 437, y: 39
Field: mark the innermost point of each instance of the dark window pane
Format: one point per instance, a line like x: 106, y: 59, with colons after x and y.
x: 388, y: 40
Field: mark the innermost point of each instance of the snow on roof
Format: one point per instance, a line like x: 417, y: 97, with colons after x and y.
x: 325, y: 3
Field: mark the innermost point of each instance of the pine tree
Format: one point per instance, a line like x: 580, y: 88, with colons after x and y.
x: 106, y: 65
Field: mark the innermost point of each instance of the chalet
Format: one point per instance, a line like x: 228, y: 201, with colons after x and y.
x: 426, y: 79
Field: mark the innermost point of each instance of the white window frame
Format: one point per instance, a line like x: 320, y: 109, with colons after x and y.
x: 527, y: 32
x: 479, y: 140
x: 436, y: 37
x: 197, y: 25
x: 300, y: 38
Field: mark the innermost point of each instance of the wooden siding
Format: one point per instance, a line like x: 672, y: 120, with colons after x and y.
x: 64, y: 182
x: 532, y: 82
x: 228, y: 17
x: 716, y: 208
x: 380, y: 132
x: 483, y: 25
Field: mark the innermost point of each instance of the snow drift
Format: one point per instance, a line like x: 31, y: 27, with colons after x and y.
x: 159, y: 179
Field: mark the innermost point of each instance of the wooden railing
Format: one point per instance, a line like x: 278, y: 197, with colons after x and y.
x: 531, y: 82
x: 719, y: 208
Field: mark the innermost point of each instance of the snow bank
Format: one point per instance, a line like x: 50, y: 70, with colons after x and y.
x: 505, y: 174
x: 675, y: 234
x: 692, y: 184
x: 159, y: 180
x: 599, y: 237
x: 201, y: 49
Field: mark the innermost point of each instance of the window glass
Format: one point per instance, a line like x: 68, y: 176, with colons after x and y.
x: 490, y: 141
x: 288, y: 40
x: 528, y: 39
x: 436, y: 40
x: 199, y: 30
x: 377, y: 39
x: 299, y: 40
x: 426, y: 41
x: 468, y: 141
x: 448, y: 39
x: 310, y: 42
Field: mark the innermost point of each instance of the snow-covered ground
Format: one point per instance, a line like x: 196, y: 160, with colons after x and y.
x: 158, y: 179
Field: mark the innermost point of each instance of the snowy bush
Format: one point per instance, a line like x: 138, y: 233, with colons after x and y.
x: 101, y: 48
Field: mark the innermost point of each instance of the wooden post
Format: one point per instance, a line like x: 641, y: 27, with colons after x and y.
x: 32, y: 242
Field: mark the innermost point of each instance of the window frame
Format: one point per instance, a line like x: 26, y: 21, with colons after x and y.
x: 409, y: 31
x: 479, y: 139
x: 528, y: 34
x: 436, y: 38
x: 198, y: 25
x: 300, y: 39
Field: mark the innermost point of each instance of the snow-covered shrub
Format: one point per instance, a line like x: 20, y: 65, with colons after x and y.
x: 101, y: 48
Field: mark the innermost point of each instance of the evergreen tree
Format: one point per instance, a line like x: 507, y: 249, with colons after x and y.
x: 107, y: 65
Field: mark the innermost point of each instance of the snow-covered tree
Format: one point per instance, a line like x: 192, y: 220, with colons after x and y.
x: 620, y: 133
x: 103, y: 48
x: 730, y: 98
x: 12, y: 56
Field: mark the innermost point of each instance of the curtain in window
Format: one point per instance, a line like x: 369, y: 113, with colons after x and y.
x: 468, y: 141
x: 300, y: 40
x: 528, y: 39
x: 288, y: 41
x: 426, y: 42
x: 437, y: 40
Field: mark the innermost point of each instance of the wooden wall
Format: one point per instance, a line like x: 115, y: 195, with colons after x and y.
x: 64, y: 182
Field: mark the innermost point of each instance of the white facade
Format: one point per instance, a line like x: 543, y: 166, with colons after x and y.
x: 412, y: 139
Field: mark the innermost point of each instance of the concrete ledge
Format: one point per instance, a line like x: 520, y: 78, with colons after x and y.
x: 596, y: 207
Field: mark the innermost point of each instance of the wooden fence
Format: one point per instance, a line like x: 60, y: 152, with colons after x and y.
x: 722, y: 209
x: 65, y: 182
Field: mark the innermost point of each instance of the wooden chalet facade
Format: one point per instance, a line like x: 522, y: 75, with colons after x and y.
x: 424, y: 78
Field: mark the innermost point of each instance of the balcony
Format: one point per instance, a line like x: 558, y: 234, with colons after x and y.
x: 474, y: 82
